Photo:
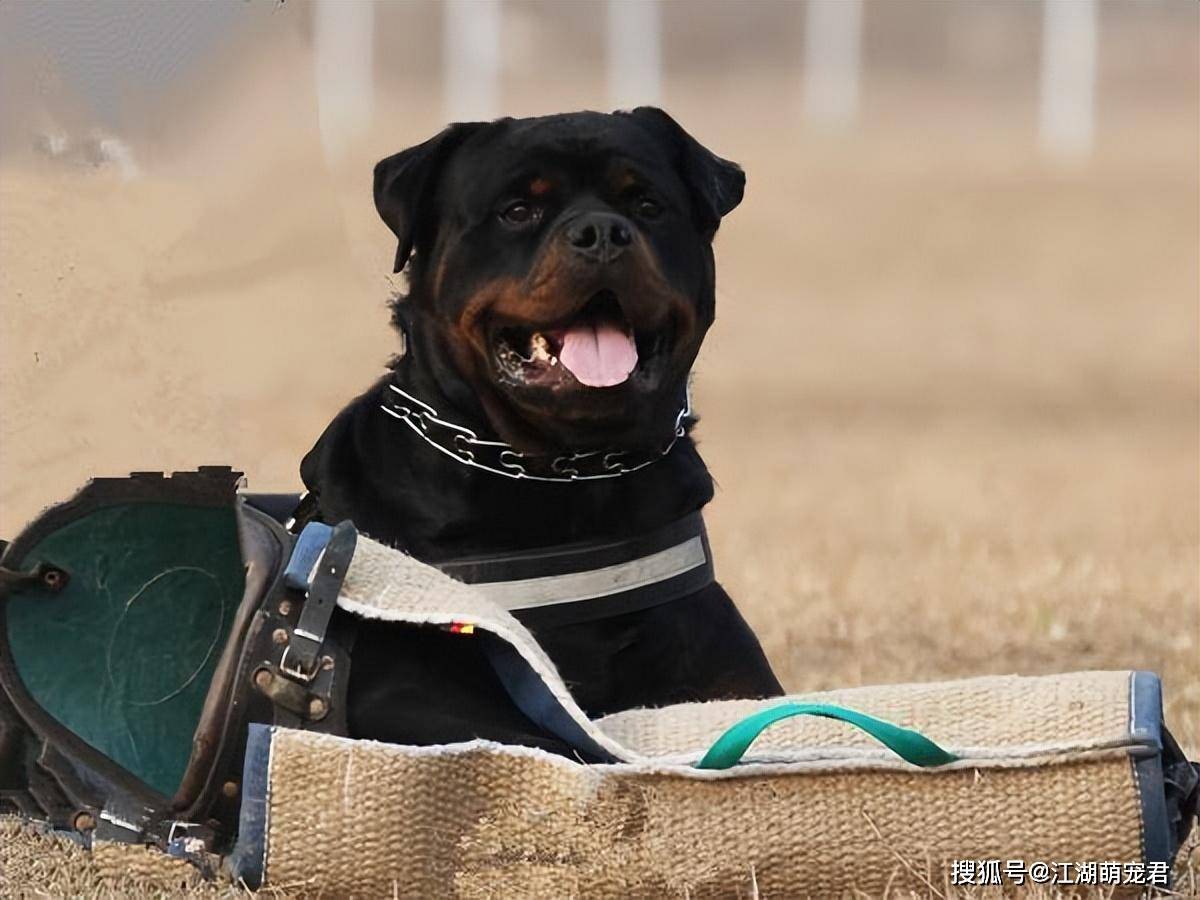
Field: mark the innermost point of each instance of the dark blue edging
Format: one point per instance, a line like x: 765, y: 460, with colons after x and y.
x: 248, y: 860
x: 307, y: 550
x: 1145, y: 710
x: 1145, y: 728
x: 532, y: 697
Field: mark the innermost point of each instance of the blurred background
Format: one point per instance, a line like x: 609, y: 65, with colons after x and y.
x: 951, y: 398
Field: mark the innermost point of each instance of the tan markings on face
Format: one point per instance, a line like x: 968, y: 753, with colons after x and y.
x: 559, y: 286
x: 517, y: 298
x: 468, y: 337
x: 539, y: 187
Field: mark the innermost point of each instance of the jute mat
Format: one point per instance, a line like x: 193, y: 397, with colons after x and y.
x: 486, y: 821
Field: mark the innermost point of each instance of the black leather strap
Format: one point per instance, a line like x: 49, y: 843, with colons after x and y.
x: 302, y: 658
x: 573, y: 560
x: 579, y: 582
x: 563, y: 559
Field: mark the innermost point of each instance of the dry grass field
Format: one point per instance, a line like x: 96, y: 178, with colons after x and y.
x: 951, y: 399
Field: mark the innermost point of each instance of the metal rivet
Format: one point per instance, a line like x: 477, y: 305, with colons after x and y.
x: 230, y: 789
x: 279, y: 636
x: 285, y: 607
x: 326, y: 663
x: 263, y: 679
x: 84, y: 821
x: 316, y: 708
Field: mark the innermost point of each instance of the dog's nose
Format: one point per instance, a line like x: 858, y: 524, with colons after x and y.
x: 600, y: 236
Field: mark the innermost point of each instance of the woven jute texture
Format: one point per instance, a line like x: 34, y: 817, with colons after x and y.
x: 998, y: 718
x: 485, y: 821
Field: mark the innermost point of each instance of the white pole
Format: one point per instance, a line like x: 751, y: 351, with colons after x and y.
x: 471, y: 70
x: 1066, y: 120
x: 342, y: 57
x: 832, y: 52
x: 634, y: 64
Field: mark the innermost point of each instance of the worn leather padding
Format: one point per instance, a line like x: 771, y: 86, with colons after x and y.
x: 124, y: 655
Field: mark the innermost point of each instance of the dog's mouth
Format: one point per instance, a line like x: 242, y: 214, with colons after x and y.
x: 595, y: 349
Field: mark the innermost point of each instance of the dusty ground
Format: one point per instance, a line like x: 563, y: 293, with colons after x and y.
x: 951, y: 400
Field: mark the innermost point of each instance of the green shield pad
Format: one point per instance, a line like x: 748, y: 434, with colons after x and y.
x: 123, y: 656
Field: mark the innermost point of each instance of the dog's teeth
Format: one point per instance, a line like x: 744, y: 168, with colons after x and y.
x: 540, y: 348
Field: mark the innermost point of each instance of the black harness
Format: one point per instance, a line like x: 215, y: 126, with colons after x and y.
x: 555, y: 585
x: 567, y: 583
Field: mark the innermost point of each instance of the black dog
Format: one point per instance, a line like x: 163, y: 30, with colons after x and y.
x: 561, y: 284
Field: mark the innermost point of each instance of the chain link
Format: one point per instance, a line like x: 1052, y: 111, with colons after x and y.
x: 465, y: 446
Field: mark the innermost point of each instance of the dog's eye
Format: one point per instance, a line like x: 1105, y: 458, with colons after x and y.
x: 520, y: 213
x: 649, y: 208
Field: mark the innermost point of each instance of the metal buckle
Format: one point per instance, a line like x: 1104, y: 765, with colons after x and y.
x: 297, y: 674
x: 184, y: 827
x: 324, y: 582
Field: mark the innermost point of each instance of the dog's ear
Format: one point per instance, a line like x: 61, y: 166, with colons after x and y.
x: 716, y: 184
x: 404, y: 184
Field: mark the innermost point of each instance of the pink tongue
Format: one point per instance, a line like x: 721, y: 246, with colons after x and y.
x: 598, y: 355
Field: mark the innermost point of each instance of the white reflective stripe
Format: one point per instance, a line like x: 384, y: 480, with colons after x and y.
x: 547, y: 590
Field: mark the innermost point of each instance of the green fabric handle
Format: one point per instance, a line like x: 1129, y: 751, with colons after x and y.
x: 911, y: 746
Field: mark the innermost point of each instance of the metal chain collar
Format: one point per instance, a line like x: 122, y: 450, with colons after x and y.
x: 464, y: 446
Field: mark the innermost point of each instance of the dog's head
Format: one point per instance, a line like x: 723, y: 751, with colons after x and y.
x: 562, y: 268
